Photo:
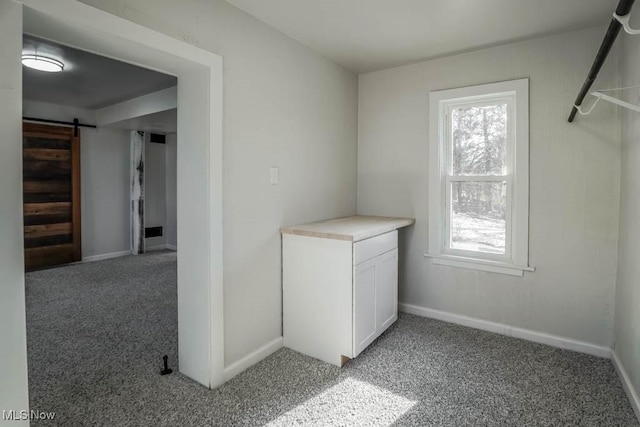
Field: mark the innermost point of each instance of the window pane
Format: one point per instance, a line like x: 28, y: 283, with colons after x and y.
x: 478, y: 212
x: 479, y: 140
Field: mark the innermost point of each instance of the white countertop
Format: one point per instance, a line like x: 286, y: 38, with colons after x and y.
x: 351, y: 228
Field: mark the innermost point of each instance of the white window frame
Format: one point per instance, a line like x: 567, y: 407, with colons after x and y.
x: 515, y: 260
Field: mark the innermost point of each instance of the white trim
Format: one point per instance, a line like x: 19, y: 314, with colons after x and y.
x: 105, y: 256
x: 172, y: 247
x: 511, y: 331
x: 632, y: 393
x: 252, y: 358
x: 156, y: 247
x: 480, y: 264
x: 119, y: 254
x: 216, y: 230
x: 517, y: 223
x: 479, y: 178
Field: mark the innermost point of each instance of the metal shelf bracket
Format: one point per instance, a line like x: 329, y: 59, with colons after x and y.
x: 624, y: 20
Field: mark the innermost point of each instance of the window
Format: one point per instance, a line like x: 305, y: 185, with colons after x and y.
x: 479, y: 177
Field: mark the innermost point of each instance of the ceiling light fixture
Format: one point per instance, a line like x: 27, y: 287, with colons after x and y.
x: 42, y: 63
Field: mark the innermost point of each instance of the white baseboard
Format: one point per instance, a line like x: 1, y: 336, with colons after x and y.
x: 125, y: 253
x: 161, y: 247
x: 499, y: 328
x: 156, y: 247
x: 252, y: 358
x: 632, y: 393
x: 105, y: 256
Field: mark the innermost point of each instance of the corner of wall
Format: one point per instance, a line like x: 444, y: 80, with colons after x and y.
x: 627, y: 384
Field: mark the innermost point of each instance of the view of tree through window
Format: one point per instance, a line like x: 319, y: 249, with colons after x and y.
x: 478, y: 149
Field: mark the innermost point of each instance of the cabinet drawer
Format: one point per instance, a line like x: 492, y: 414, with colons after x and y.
x: 370, y: 248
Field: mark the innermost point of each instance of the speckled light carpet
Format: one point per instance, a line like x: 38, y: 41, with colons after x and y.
x: 97, y: 332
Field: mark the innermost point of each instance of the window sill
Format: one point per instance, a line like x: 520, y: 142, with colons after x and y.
x: 478, y: 264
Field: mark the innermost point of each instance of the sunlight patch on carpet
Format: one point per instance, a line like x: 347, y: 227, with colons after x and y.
x: 351, y: 402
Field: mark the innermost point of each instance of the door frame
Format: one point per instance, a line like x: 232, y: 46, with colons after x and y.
x: 199, y: 168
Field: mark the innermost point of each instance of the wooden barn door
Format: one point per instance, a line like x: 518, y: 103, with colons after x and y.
x: 51, y: 191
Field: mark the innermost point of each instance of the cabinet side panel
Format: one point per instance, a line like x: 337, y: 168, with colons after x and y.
x: 317, y: 297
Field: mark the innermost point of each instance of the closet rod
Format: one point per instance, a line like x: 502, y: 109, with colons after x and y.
x: 624, y: 7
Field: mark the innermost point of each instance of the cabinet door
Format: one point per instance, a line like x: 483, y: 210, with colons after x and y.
x: 364, y: 305
x: 386, y: 290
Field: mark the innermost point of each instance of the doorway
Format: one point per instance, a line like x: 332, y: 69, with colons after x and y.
x: 85, y: 321
x: 199, y: 173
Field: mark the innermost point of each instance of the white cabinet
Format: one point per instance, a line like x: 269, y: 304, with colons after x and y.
x: 375, y: 298
x: 339, y: 293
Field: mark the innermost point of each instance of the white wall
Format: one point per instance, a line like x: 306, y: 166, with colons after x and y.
x: 574, y: 189
x: 13, y: 341
x: 155, y: 194
x: 104, y: 182
x: 284, y: 106
x: 105, y: 192
x: 627, y: 319
x: 170, y: 186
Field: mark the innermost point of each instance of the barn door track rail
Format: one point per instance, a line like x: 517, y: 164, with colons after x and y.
x: 75, y: 123
x: 620, y: 19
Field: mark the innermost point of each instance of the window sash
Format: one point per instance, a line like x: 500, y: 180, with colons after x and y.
x: 479, y: 178
x: 448, y: 208
x: 446, y: 144
x: 516, y: 170
x: 447, y: 136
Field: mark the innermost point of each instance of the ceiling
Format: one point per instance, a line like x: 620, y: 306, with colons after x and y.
x: 368, y: 35
x: 88, y: 81
x: 164, y: 122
